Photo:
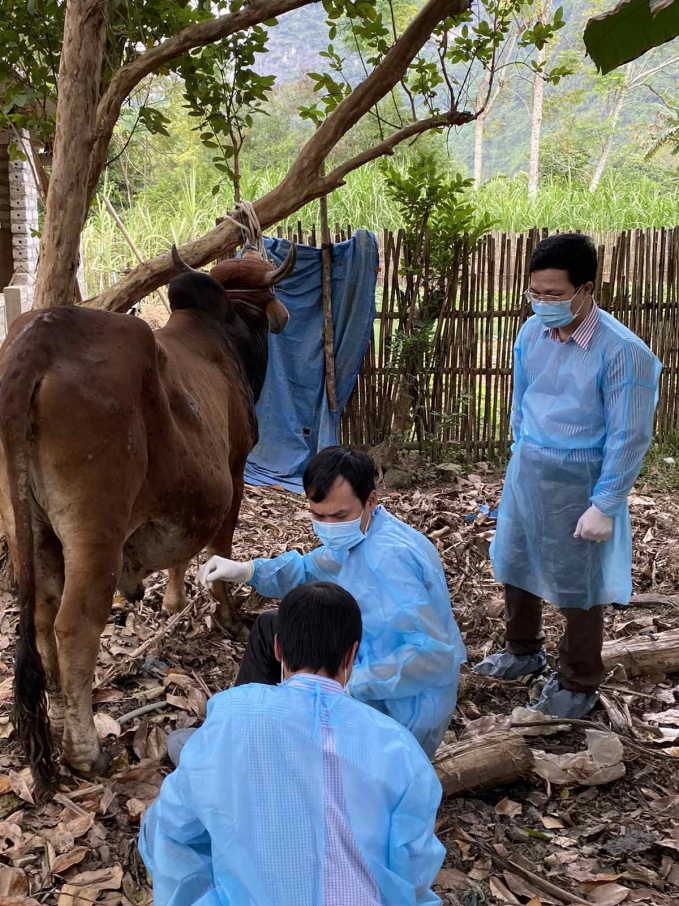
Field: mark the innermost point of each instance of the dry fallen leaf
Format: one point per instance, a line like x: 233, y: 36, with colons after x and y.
x: 68, y: 860
x: 518, y: 886
x: 178, y: 701
x: 70, y: 895
x: 5, y: 784
x: 452, y: 879
x: 106, y: 725
x: 135, y: 809
x: 106, y: 800
x: 13, y: 882
x: 19, y: 783
x: 6, y: 687
x: 105, y: 696
x: 551, y: 823
x: 609, y: 895
x: 18, y: 901
x: 502, y: 893
x: 11, y: 831
x: 61, y: 838
x: 103, y: 879
x: 80, y: 825
x: 508, y: 808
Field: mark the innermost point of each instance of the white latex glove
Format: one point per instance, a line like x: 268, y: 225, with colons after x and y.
x: 594, y: 526
x: 219, y: 569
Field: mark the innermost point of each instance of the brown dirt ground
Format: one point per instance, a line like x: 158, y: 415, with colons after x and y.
x: 613, y: 843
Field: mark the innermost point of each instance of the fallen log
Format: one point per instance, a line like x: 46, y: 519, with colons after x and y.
x: 482, y: 763
x: 654, y: 600
x: 644, y: 655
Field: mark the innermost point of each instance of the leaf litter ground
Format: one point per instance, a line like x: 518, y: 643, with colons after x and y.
x: 609, y: 843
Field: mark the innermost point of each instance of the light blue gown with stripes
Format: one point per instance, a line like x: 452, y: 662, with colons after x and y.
x: 582, y: 421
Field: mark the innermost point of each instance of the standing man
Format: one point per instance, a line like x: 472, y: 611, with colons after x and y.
x: 408, y: 664
x: 585, y: 390
x: 297, y: 795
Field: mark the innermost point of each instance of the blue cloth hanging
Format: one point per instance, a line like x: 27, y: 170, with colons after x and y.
x: 294, y: 419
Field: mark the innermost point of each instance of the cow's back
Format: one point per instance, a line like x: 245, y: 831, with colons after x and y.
x: 90, y: 378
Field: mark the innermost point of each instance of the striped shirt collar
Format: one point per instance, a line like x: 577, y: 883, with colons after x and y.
x: 583, y: 335
x: 310, y: 680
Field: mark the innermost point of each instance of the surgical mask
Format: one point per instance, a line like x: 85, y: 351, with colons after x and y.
x: 339, y: 536
x: 554, y: 314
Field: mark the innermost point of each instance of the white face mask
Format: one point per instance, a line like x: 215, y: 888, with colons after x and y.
x: 339, y: 536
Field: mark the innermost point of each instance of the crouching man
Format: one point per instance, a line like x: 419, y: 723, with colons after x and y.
x: 297, y: 793
x: 408, y: 664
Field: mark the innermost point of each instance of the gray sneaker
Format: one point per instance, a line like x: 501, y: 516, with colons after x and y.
x: 558, y: 702
x: 503, y: 665
x: 176, y: 742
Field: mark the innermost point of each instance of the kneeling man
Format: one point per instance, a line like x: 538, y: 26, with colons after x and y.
x: 297, y: 793
x: 409, y: 661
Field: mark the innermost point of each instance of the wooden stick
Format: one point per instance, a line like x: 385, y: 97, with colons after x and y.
x: 564, y: 896
x: 135, y: 251
x: 328, y: 329
x: 139, y: 712
x: 112, y: 672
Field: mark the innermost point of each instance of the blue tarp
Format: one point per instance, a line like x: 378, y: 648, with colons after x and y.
x: 294, y: 419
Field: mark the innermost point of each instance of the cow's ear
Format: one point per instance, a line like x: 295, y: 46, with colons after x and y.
x: 277, y: 315
x: 228, y: 306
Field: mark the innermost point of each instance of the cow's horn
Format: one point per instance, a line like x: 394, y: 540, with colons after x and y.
x: 181, y: 266
x: 274, y: 277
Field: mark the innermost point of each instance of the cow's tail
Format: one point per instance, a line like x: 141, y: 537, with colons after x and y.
x: 31, y: 722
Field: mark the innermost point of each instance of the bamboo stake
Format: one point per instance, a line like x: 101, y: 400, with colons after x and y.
x: 328, y: 330
x: 135, y: 251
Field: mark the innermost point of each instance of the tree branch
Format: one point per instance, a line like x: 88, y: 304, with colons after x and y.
x: 380, y: 81
x: 302, y: 183
x: 336, y: 177
x: 191, y: 37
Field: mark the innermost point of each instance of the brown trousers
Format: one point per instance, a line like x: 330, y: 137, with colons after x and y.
x: 580, y: 666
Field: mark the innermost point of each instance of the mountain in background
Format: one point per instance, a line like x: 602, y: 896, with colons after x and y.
x: 573, y: 106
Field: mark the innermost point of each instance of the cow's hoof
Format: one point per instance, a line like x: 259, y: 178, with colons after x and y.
x: 89, y: 769
x: 174, y: 602
x: 230, y: 625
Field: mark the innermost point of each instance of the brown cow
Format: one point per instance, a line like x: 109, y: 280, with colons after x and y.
x: 122, y: 452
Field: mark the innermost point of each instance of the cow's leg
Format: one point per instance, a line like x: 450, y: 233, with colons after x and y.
x: 49, y: 586
x: 175, y: 593
x: 227, y: 614
x: 91, y: 576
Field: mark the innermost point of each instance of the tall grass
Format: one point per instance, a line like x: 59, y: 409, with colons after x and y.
x: 187, y: 211
x: 560, y: 205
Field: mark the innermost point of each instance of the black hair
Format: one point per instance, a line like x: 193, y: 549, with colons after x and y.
x: 318, y: 623
x: 571, y: 252
x: 327, y: 466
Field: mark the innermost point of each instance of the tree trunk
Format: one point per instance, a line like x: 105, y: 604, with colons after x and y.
x: 478, y: 135
x: 644, y: 655
x: 66, y: 206
x: 608, y: 144
x: 482, y: 764
x: 536, y: 118
x: 236, y: 172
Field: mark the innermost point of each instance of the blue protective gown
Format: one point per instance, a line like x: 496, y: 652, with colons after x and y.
x: 241, y: 820
x: 582, y: 421
x: 408, y: 663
